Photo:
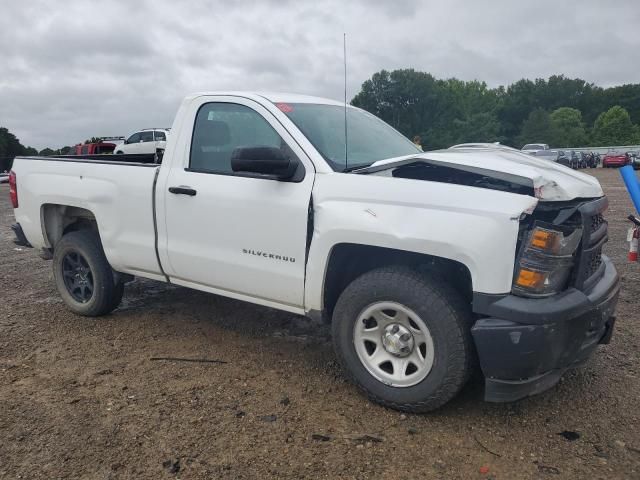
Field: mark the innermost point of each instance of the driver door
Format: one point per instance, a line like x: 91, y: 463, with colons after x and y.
x: 230, y: 233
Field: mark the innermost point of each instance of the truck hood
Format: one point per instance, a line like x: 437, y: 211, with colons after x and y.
x: 498, y: 169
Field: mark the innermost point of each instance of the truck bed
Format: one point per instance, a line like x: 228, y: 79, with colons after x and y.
x: 118, y: 190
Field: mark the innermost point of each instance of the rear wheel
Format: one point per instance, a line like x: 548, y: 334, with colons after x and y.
x: 404, y: 338
x: 83, y: 275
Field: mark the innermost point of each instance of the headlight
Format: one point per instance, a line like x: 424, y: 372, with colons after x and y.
x: 545, y: 261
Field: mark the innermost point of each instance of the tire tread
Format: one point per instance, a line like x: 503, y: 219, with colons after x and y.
x: 109, y: 294
x: 436, y: 291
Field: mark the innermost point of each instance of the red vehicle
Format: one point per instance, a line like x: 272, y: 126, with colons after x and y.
x: 615, y: 160
x: 96, y: 148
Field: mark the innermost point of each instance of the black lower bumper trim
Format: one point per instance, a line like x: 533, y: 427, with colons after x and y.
x: 20, y: 239
x: 500, y: 391
x: 522, y: 354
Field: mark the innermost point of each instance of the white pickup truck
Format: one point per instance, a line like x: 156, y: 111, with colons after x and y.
x: 426, y: 264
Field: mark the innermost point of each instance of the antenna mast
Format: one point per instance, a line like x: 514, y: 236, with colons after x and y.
x: 344, y: 54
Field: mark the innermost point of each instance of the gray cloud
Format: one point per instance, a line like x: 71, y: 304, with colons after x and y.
x: 104, y: 68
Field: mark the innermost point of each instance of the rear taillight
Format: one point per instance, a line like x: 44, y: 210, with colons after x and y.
x: 13, y: 189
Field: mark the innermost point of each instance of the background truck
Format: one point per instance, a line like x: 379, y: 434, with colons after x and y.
x: 425, y: 264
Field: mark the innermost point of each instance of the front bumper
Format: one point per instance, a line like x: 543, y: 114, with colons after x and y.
x: 525, y: 344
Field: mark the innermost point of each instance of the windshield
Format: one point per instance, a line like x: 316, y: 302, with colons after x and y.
x: 369, y: 138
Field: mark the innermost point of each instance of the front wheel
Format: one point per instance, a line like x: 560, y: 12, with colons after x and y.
x: 83, y: 275
x: 404, y: 338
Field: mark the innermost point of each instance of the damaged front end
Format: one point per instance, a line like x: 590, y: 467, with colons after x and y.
x: 495, y: 169
x: 454, y: 174
x: 561, y: 305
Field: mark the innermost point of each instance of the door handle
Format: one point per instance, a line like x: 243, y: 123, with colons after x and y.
x: 183, y: 191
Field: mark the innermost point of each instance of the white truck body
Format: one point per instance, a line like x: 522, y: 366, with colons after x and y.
x: 254, y: 238
x: 271, y: 217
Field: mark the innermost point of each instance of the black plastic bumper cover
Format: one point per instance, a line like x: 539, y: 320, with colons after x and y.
x: 525, y: 344
x: 20, y: 239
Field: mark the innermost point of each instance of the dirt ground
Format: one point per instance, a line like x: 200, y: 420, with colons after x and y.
x: 84, y: 398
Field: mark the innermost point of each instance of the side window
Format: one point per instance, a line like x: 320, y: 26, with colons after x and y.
x: 160, y: 136
x: 85, y: 150
x: 135, y: 138
x: 222, y: 127
x: 146, y: 136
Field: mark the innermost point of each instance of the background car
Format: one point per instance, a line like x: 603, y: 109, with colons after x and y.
x: 615, y: 160
x: 148, y: 140
x: 533, y: 148
x: 551, y: 155
x: 96, y: 148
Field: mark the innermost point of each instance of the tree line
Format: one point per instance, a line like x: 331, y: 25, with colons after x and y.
x: 10, y: 147
x: 560, y: 111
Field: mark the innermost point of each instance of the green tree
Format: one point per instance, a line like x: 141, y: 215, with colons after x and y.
x: 626, y: 96
x: 478, y: 127
x: 536, y: 128
x: 10, y: 146
x: 567, y: 128
x: 412, y: 102
x: 473, y: 106
x: 614, y: 127
x: 47, y: 151
x: 517, y: 100
x: 444, y: 112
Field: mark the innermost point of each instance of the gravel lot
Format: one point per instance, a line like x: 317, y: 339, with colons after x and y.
x: 83, y: 398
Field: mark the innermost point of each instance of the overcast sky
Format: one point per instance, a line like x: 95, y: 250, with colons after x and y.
x: 75, y: 69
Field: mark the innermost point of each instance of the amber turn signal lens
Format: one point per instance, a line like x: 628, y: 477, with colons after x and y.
x: 530, y: 279
x: 543, y: 239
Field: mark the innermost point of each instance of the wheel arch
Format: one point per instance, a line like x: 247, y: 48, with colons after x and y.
x: 58, y: 220
x: 347, y: 261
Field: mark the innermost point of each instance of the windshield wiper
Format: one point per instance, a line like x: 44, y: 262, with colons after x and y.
x: 356, y: 167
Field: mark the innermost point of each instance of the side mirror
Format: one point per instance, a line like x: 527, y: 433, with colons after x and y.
x: 270, y: 162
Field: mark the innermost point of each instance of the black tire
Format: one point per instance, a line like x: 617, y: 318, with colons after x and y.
x: 106, y: 294
x: 119, y: 152
x: 447, y: 316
